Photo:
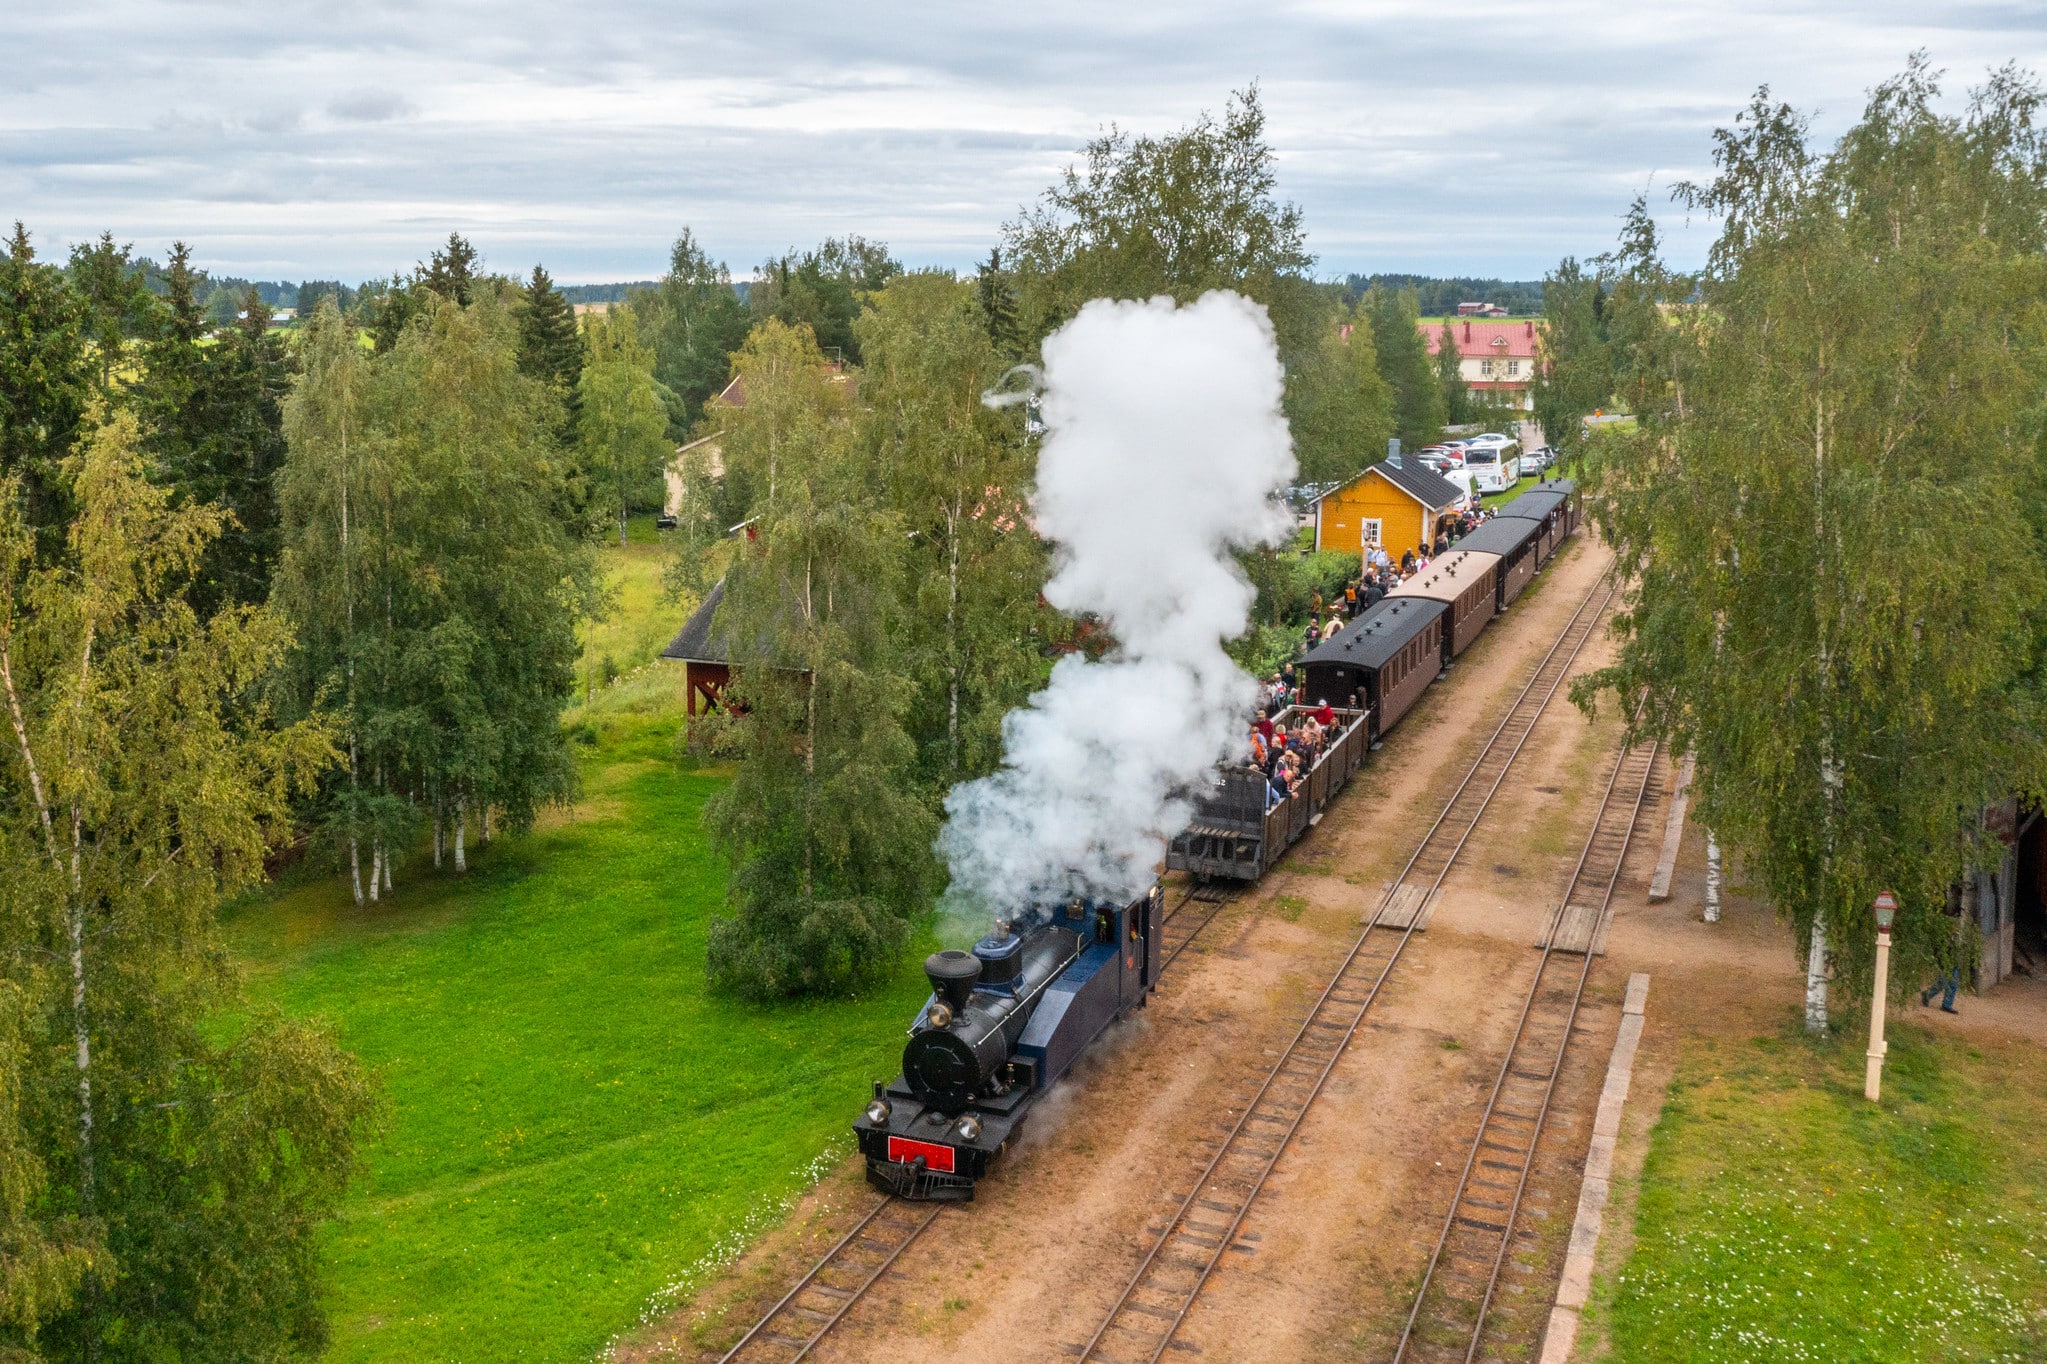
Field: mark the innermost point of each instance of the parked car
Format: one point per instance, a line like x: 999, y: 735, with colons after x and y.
x: 1541, y: 458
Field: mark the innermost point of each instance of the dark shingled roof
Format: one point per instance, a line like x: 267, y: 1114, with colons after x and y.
x: 1502, y: 535
x: 1377, y: 635
x: 1533, y: 505
x: 1433, y: 490
x: 693, y: 642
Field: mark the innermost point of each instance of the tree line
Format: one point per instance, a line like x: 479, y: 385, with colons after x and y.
x: 1828, y: 513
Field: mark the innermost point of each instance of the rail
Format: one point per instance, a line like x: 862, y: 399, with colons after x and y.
x: 792, y: 1328
x: 1155, y: 1302
x: 1452, y: 1304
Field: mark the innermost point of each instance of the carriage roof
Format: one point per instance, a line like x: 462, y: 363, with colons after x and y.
x: 1374, y: 638
x: 1447, y: 578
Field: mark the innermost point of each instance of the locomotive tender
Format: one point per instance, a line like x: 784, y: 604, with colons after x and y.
x: 1004, y: 1022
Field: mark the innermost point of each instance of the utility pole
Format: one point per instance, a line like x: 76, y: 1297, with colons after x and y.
x: 1886, y: 908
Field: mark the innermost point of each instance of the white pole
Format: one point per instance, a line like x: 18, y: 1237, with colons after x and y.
x: 1872, y: 1082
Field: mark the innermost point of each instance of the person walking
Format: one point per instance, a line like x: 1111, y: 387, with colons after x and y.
x: 1945, y: 985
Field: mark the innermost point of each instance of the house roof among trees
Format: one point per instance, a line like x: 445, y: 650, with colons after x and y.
x: 693, y: 643
x: 1432, y: 490
x: 1485, y: 340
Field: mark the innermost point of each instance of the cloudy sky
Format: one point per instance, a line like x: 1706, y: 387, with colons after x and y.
x: 344, y: 138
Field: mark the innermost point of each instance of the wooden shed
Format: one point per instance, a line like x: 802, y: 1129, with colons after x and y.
x: 706, y: 664
x: 1389, y: 505
x: 1463, y: 580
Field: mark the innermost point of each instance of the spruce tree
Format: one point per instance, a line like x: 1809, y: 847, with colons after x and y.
x: 451, y: 271
x: 1457, y: 395
x: 46, y: 383
x: 1404, y: 361
x: 110, y: 284
x: 694, y: 321
x: 550, y: 349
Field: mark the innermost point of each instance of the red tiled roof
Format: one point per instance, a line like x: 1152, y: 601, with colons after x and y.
x: 1486, y: 340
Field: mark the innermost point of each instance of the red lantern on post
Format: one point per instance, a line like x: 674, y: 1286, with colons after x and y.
x: 1886, y: 910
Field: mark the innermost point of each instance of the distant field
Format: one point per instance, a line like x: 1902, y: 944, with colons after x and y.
x: 575, y: 1121
x: 1783, y: 1218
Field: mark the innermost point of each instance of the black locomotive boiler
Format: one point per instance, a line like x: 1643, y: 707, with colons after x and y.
x: 1003, y: 1024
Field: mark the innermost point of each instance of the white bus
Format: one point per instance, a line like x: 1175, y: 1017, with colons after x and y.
x: 1495, y: 465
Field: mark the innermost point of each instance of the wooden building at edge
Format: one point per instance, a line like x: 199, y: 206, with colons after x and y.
x: 1397, y: 508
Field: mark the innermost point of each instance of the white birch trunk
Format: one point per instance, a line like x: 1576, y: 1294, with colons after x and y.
x: 81, y: 1041
x: 355, y: 866
x: 1816, y: 978
x: 461, y: 819
x: 376, y: 867
x: 389, y: 858
x: 1712, y: 879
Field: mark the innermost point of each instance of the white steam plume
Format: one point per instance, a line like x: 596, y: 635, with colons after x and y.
x: 1165, y: 444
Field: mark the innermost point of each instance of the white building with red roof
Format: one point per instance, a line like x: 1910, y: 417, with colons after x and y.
x: 1494, y: 357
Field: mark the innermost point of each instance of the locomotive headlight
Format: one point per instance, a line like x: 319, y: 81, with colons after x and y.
x: 939, y: 1016
x: 877, y: 1112
x: 969, y: 1128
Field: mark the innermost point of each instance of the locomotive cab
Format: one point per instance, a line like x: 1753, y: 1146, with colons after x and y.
x: 1003, y: 1023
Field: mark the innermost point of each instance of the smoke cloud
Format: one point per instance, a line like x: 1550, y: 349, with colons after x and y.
x: 1164, y: 445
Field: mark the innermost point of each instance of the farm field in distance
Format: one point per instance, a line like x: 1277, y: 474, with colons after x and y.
x: 573, y: 1121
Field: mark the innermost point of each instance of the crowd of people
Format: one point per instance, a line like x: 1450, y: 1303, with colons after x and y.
x: 1285, y: 751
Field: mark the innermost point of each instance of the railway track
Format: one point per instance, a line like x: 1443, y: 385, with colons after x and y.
x: 1167, y: 1282
x: 1182, y: 926
x: 806, y: 1314
x: 793, y: 1327
x: 1461, y: 1285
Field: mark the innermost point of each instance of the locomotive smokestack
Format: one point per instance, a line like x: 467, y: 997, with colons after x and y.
x: 952, y: 975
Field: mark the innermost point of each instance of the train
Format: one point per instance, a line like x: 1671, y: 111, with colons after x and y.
x: 1005, y: 1021
x: 1002, y: 1025
x: 1371, y: 673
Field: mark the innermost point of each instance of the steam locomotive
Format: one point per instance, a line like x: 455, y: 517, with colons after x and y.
x: 1004, y: 1022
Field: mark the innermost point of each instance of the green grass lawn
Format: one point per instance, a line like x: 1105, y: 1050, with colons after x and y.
x: 1782, y: 1217
x: 575, y: 1124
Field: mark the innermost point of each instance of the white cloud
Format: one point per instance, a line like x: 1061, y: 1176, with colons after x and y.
x: 349, y: 137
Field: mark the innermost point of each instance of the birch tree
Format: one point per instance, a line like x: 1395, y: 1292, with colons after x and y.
x: 1826, y: 515
x: 431, y: 581
x: 830, y: 845
x: 141, y: 782
x: 621, y: 422
x: 958, y: 477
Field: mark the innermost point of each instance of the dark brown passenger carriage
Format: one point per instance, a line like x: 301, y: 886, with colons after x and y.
x: 1546, y: 510
x: 1237, y: 833
x: 1383, y: 660
x: 1513, y: 540
x: 1571, y: 510
x: 1466, y: 581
